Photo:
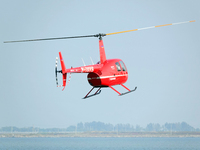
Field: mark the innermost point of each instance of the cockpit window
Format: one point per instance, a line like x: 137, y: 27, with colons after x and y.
x: 123, y: 66
x: 118, y: 66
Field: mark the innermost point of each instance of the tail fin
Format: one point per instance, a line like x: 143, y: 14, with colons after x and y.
x: 62, y: 63
x: 63, y: 70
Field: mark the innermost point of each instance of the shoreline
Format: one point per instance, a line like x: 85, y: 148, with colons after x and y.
x: 98, y: 134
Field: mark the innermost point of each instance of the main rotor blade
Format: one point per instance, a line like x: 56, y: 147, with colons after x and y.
x: 45, y: 39
x: 97, y: 35
x: 149, y: 27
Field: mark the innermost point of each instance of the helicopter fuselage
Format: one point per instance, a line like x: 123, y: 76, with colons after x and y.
x: 112, y: 72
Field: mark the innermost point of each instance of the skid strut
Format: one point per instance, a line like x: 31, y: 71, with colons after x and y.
x: 120, y: 94
x: 96, y: 93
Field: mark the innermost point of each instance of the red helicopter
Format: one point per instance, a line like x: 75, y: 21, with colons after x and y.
x: 106, y: 73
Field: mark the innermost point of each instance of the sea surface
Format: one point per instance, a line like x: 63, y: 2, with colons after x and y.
x: 99, y: 143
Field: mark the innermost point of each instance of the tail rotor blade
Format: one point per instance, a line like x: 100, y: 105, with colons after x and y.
x: 56, y: 71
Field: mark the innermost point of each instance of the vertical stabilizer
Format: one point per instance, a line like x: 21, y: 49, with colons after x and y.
x: 62, y: 63
x: 102, y: 51
x: 63, y: 70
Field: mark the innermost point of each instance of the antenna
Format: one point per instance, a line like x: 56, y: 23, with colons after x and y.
x: 83, y: 62
x: 91, y: 60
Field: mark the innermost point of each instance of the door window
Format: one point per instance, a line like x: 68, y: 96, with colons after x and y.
x: 118, y: 66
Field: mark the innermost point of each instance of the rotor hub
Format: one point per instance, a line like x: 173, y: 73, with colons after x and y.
x: 100, y: 35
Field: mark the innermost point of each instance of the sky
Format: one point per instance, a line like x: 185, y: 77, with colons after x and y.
x: 162, y: 62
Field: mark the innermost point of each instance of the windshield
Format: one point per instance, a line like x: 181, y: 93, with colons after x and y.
x: 123, y: 66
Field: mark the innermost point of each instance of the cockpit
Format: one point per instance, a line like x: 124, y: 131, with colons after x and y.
x: 120, y: 66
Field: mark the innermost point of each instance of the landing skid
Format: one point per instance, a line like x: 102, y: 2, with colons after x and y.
x: 120, y: 94
x: 96, y: 93
x: 128, y: 92
x: 99, y: 91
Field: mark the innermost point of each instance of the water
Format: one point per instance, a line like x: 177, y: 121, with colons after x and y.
x: 99, y: 143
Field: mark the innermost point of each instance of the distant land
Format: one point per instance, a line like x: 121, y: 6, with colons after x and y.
x: 100, y: 129
x: 100, y: 134
x: 100, y: 126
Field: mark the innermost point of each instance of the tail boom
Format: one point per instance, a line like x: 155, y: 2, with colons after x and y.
x: 84, y: 69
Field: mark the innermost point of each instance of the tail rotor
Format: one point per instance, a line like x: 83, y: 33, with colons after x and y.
x: 63, y: 71
x: 56, y: 71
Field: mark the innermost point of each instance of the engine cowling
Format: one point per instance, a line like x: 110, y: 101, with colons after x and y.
x: 94, y: 79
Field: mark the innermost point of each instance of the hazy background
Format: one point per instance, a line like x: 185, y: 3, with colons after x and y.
x: 164, y: 63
